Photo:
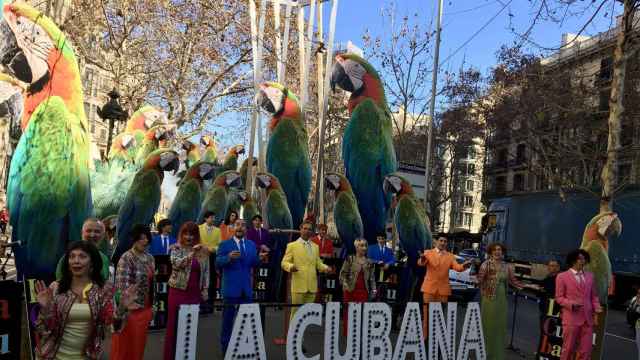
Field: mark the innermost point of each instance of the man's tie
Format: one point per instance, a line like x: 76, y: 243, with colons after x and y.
x: 307, y: 245
x: 165, y: 244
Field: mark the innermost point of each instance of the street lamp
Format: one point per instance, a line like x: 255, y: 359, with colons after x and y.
x: 112, y: 111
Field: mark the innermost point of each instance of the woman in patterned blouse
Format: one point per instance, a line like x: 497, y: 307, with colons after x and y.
x: 75, y: 313
x: 135, y: 267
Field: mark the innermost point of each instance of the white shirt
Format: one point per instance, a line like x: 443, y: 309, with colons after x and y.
x: 579, y: 275
x: 239, y: 243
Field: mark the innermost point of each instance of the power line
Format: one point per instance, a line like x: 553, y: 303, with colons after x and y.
x: 477, y: 32
x: 469, y: 10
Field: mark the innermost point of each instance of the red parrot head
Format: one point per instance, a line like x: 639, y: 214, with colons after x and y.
x: 267, y: 181
x: 229, y: 178
x: 278, y: 101
x: 397, y: 185
x: 202, y: 170
x: 355, y: 75
x: 336, y: 182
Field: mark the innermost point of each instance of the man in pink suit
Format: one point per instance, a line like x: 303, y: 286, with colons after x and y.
x: 576, y: 294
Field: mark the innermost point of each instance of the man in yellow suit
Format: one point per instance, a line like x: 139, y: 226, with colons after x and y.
x: 302, y: 260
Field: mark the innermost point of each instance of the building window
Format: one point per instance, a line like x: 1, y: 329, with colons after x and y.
x: 469, y: 185
x: 471, y: 169
x: 103, y: 134
x: 471, y: 153
x: 518, y: 182
x: 94, y: 89
x: 88, y: 80
x: 87, y: 109
x: 501, y: 184
x: 624, y: 173
x: 468, y: 201
x: 604, y: 100
x: 521, y: 153
x: 466, y: 219
x: 502, y: 156
x: 606, y: 65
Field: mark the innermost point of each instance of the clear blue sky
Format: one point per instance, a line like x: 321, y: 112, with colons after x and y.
x: 461, y: 19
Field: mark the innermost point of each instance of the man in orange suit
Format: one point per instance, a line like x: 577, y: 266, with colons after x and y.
x: 435, y: 287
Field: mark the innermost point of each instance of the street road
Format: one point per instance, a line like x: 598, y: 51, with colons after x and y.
x: 619, y: 344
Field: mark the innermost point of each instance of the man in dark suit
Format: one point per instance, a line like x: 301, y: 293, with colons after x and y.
x: 236, y: 259
x: 161, y: 242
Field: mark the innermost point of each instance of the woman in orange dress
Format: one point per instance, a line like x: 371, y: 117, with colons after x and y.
x: 135, y: 267
x: 226, y: 228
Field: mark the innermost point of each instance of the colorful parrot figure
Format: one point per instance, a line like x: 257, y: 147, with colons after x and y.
x: 144, y: 118
x: 288, y: 150
x: 345, y: 212
x: 595, y: 240
x: 122, y: 149
x: 367, y: 147
x: 249, y: 206
x: 48, y: 192
x: 210, y: 151
x: 411, y: 222
x: 151, y: 142
x: 188, y: 199
x: 278, y: 217
x: 244, y: 167
x: 231, y: 159
x: 193, y: 153
x: 143, y: 197
x: 217, y: 197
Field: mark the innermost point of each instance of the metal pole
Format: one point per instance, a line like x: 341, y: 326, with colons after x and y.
x: 318, y: 207
x: 432, y: 108
x: 325, y: 102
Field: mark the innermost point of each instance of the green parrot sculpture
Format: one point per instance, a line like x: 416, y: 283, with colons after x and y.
x: 155, y: 137
x: 346, y: 215
x: 278, y: 217
x: 143, y: 197
x: 210, y: 151
x: 367, y: 145
x: 48, y: 192
x: 188, y: 200
x: 122, y: 148
x: 288, y: 149
x: 245, y: 167
x: 413, y: 227
x: 193, y: 153
x: 595, y: 240
x: 217, y: 197
x: 231, y: 159
x: 249, y: 206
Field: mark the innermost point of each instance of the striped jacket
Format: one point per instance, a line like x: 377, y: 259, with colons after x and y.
x: 134, y: 270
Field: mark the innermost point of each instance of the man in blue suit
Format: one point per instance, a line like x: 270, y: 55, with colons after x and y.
x: 236, y: 259
x: 161, y: 242
x: 380, y: 253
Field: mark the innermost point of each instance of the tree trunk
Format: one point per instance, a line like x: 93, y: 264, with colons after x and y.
x: 609, y: 175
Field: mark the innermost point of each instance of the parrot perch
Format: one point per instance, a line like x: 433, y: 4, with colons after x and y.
x: 367, y: 147
x: 278, y: 217
x: 48, y: 192
x: 188, y: 200
x: 288, y: 149
x: 345, y: 212
x: 217, y: 197
x: 143, y: 197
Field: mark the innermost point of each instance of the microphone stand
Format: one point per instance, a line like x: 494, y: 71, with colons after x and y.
x: 511, y: 347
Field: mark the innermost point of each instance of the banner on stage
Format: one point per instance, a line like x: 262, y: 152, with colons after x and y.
x: 368, y: 333
x: 550, y: 346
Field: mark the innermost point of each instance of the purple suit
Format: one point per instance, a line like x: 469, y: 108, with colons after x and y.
x: 259, y: 237
x: 577, y: 321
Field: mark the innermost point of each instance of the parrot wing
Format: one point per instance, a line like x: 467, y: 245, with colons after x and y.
x: 600, y: 266
x: 49, y: 194
x: 347, y: 220
x: 186, y: 204
x: 139, y: 207
x: 215, y: 200
x: 369, y: 156
x: 413, y: 231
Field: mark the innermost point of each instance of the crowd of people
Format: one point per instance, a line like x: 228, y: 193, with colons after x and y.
x: 75, y: 311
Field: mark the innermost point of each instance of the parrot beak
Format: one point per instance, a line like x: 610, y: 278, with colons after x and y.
x: 243, y: 196
x: 12, y: 58
x: 271, y: 99
x: 206, y: 171
x: 332, y: 181
x: 240, y: 149
x: 169, y: 161
x: 392, y: 184
x: 233, y: 179
x: 204, y: 141
x: 186, y: 145
x: 609, y: 225
x: 348, y: 75
x: 128, y: 141
x: 263, y: 181
x: 263, y: 102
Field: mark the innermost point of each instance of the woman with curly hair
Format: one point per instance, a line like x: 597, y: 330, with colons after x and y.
x: 135, y: 267
x: 75, y: 312
x: 189, y: 280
